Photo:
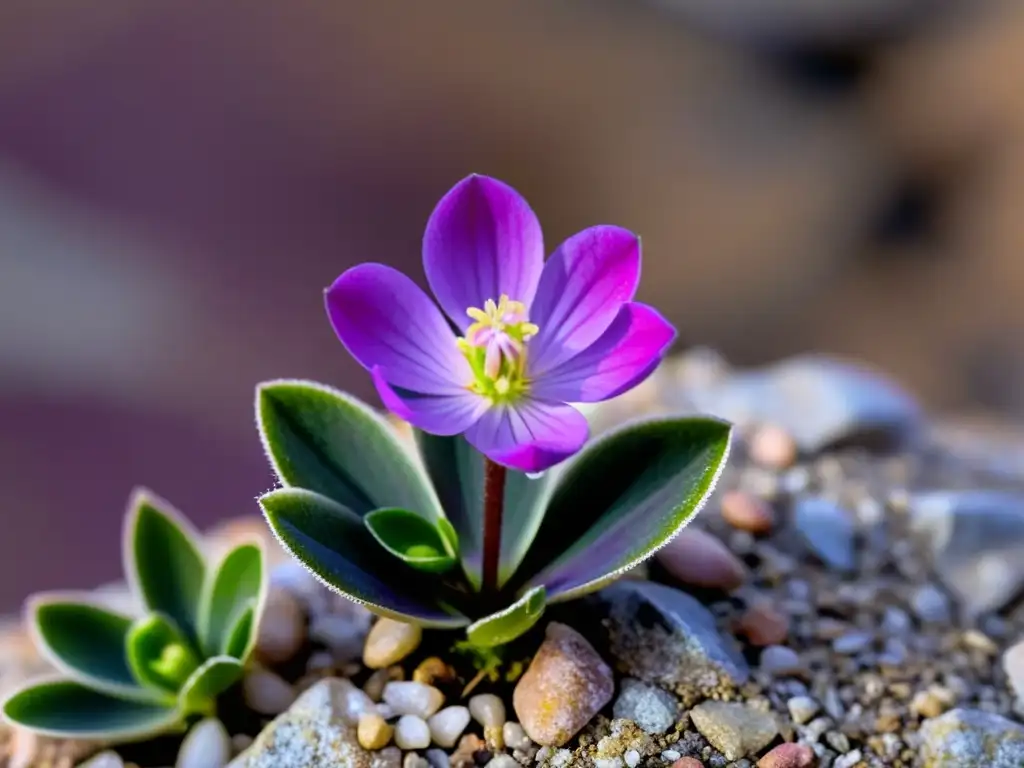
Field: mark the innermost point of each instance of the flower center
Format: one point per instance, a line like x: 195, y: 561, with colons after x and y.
x: 495, y: 346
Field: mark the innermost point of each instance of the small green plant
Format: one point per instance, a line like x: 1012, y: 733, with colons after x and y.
x: 403, y: 530
x: 126, y: 678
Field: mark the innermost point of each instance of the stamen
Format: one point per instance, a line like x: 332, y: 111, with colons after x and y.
x: 495, y: 346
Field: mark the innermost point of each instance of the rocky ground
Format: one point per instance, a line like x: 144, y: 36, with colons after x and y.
x: 847, y: 599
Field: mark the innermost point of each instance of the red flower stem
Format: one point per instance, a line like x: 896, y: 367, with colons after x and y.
x: 494, y: 505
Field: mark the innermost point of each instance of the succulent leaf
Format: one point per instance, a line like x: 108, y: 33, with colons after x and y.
x: 84, y: 641
x: 212, y: 678
x: 457, y: 471
x: 623, y: 498
x: 412, y: 539
x: 326, y: 441
x: 332, y: 542
x: 163, y: 560
x: 507, y: 625
x: 240, y: 639
x: 71, y: 709
x: 159, y: 653
x: 232, y: 588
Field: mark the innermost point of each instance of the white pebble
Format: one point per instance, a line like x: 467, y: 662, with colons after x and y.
x: 488, y: 710
x: 544, y: 753
x: 561, y: 757
x: 103, y: 760
x: 354, y: 701
x: 608, y: 762
x: 802, y: 709
x: 447, y: 725
x: 848, y: 760
x: 267, y: 693
x: 385, y: 711
x: 282, y: 628
x: 412, y: 760
x: 515, y: 736
x: 412, y: 732
x: 632, y: 758
x: 670, y: 755
x: 502, y: 761
x: 407, y: 697
x: 340, y: 634
x: 206, y: 746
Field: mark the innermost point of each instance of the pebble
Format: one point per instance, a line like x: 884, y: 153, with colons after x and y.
x: 852, y: 642
x: 412, y: 732
x: 849, y: 760
x: 318, y: 729
x: 976, y: 539
x: 697, y: 558
x: 431, y: 670
x: 838, y: 741
x: 502, y: 761
x: 762, y: 624
x: 207, y: 745
x: 747, y: 512
x: 772, y: 447
x: 374, y: 685
x: 343, y: 637
x: 447, y: 725
x: 664, y: 636
x: 802, y: 709
x: 488, y: 710
x: 267, y: 693
x: 789, y: 756
x: 683, y: 762
x: 1013, y: 665
x: 895, y: 621
x: 240, y: 742
x: 389, y: 642
x: 566, y: 684
x: 631, y: 758
x: 412, y: 698
x: 733, y: 728
x: 828, y: 530
x: 668, y: 755
x: 437, y: 758
x: 931, y: 605
x: 412, y: 760
x: 103, y: 760
x: 780, y: 661
x: 515, y: 736
x: 374, y: 732
x: 469, y: 747
x: 653, y: 709
x: 281, y: 628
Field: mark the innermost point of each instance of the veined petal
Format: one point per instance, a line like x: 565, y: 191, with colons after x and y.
x: 384, y: 319
x: 624, y: 356
x: 482, y: 241
x: 583, y: 286
x: 436, y: 414
x: 531, y: 435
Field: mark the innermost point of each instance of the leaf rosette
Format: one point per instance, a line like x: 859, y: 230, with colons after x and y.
x: 398, y: 527
x: 129, y: 677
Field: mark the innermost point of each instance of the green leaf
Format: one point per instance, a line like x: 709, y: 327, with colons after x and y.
x: 326, y: 441
x: 159, y: 653
x: 331, y: 541
x: 162, y: 559
x: 410, y: 538
x: 240, y: 638
x: 65, y: 708
x: 215, y: 676
x: 238, y: 582
x: 623, y: 498
x: 457, y: 471
x: 84, y: 641
x: 507, y: 625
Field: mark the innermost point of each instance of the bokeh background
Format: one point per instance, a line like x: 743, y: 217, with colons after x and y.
x: 179, y: 181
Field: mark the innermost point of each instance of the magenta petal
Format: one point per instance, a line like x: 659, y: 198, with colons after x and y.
x: 531, y: 435
x: 437, y: 414
x: 624, y: 356
x: 583, y: 286
x: 482, y: 240
x: 384, y: 319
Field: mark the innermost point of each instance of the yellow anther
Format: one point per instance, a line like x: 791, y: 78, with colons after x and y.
x: 502, y: 386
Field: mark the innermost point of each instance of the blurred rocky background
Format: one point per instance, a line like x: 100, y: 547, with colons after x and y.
x: 179, y: 180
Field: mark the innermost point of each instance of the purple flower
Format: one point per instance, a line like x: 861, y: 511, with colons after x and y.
x: 535, y: 335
